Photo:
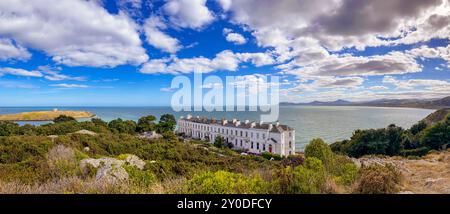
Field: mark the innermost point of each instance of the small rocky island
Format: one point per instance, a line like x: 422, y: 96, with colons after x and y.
x: 45, y: 115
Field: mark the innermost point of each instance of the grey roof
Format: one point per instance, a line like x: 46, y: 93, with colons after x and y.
x: 204, y: 120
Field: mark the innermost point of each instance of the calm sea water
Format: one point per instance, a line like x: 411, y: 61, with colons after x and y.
x: 331, y: 123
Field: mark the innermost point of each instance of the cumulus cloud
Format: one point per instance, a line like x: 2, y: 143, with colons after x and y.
x: 54, y: 74
x: 392, y: 63
x: 223, y: 61
x: 188, y: 13
x: 233, y: 37
x: 9, y: 50
x: 74, y: 33
x: 429, y: 84
x: 159, y: 39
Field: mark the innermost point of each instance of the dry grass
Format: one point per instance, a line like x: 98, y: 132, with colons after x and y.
x: 44, y: 115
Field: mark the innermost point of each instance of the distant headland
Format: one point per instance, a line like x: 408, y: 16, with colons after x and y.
x: 45, y: 115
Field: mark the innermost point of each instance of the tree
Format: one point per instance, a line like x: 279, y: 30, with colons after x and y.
x: 121, y: 126
x: 219, y: 142
x: 166, y: 123
x: 99, y: 122
x: 146, y: 124
x: 320, y: 150
x: 63, y: 118
x: 437, y: 136
x: 418, y: 127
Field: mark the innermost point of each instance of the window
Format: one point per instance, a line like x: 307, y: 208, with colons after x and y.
x: 264, y: 136
x: 257, y: 145
x: 246, y: 134
x: 290, y: 144
x: 257, y: 135
x: 290, y: 134
x: 242, y: 134
x: 241, y: 143
x: 251, y: 134
x: 264, y: 147
x: 227, y: 131
x: 252, y: 144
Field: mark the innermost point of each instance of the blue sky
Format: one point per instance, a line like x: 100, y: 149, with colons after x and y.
x: 126, y: 52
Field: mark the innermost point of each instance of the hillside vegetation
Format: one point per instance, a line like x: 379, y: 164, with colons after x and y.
x: 94, y: 156
x: 44, y: 115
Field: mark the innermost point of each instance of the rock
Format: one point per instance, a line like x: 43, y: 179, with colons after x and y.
x: 431, y: 181
x: 87, y: 132
x: 108, y: 169
x: 135, y: 161
x: 86, y: 149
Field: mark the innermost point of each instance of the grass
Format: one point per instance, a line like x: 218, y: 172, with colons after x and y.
x: 44, y: 115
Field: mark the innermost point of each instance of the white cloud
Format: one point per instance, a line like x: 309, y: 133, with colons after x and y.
x: 74, y: 33
x: 9, y: 50
x: 409, y: 84
x: 65, y: 85
x: 378, y: 88
x: 159, y: 39
x: 392, y: 63
x: 54, y: 74
x: 233, y: 37
x: 223, y: 61
x: 20, y: 72
x: 188, y: 13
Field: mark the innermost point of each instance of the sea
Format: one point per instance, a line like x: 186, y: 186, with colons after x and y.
x: 331, y: 123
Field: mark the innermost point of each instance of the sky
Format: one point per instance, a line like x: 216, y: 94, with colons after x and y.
x: 126, y: 52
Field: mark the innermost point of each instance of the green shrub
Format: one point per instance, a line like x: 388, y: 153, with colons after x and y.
x: 269, y: 156
x: 415, y: 152
x: 437, y: 136
x: 309, y: 178
x: 63, y: 118
x: 378, y: 179
x: 343, y: 170
x: 140, y: 178
x: 320, y: 150
x: 222, y: 182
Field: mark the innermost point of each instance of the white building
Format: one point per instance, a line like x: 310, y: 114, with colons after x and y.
x: 250, y: 136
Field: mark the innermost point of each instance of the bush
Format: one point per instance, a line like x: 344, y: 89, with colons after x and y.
x: 63, y: 118
x: 415, y: 152
x: 378, y: 179
x: 437, y: 136
x: 418, y: 127
x: 8, y: 128
x: 309, y: 178
x: 222, y: 182
x: 320, y: 150
x: 146, y: 124
x: 343, y: 170
x: 122, y: 126
x: 269, y: 156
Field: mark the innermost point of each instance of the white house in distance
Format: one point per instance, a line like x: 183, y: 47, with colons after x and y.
x: 251, y: 136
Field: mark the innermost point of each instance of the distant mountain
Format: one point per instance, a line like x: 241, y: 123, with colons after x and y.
x: 321, y: 103
x: 410, y: 103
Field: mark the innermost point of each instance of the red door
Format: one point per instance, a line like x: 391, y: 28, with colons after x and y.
x: 270, y: 148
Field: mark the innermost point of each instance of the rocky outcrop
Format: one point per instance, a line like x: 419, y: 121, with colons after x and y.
x: 111, y: 169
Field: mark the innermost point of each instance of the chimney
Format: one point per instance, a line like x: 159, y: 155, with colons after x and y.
x: 224, y: 122
x: 238, y: 123
x: 253, y: 124
x: 260, y: 123
x: 277, y: 124
x: 234, y: 120
x: 246, y: 122
x: 188, y: 116
x: 270, y: 126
